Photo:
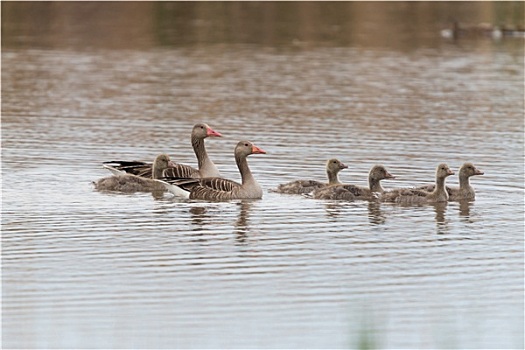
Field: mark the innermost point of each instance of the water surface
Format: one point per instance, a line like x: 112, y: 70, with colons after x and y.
x: 83, y: 269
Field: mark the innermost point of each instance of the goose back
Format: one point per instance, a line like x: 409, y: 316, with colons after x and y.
x: 333, y: 167
x: 335, y: 192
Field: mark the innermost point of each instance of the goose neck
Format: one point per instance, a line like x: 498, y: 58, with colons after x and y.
x: 333, y: 177
x: 199, y: 149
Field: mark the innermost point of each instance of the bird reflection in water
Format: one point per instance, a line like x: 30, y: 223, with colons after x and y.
x: 441, y: 222
x: 464, y: 210
x: 158, y: 194
x: 199, y: 218
x: 334, y: 209
x: 375, y: 215
x: 242, y: 225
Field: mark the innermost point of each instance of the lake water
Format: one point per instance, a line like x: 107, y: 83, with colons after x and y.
x: 85, y: 83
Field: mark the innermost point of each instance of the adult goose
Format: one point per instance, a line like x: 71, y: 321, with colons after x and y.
x: 219, y: 189
x: 465, y: 190
x: 351, y: 192
x: 419, y: 196
x: 333, y: 167
x: 206, y: 168
x: 129, y: 183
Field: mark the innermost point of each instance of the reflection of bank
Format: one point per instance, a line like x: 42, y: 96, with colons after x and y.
x: 313, y: 23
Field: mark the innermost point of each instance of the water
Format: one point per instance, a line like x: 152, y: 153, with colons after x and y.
x: 82, y: 269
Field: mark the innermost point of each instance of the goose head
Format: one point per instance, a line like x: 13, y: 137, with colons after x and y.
x: 379, y: 172
x: 245, y: 148
x: 202, y: 130
x: 163, y: 161
x: 334, y: 166
x: 468, y: 169
x: 442, y: 171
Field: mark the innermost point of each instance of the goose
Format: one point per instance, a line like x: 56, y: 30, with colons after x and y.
x: 351, y: 192
x: 219, y: 189
x: 333, y: 167
x: 130, y: 183
x: 206, y: 168
x: 418, y: 196
x: 465, y: 190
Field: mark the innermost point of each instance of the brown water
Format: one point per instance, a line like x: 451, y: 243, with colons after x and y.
x: 84, y: 83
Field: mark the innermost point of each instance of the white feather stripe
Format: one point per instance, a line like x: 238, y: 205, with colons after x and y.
x: 174, y: 189
x: 113, y: 170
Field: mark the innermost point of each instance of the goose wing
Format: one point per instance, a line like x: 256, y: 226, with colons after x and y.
x: 430, y: 188
x: 182, y: 171
x: 210, y: 183
x: 134, y: 167
x: 299, y: 187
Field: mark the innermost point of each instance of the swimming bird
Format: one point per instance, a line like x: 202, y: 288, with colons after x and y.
x: 220, y: 189
x: 129, y: 183
x: 333, y: 167
x: 206, y: 168
x: 351, y: 192
x: 419, y: 196
x: 465, y: 190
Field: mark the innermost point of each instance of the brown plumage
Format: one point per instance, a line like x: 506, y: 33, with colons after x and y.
x: 129, y: 183
x: 465, y: 191
x: 333, y: 167
x: 351, y: 192
x: 219, y: 189
x: 206, y: 168
x: 418, y: 196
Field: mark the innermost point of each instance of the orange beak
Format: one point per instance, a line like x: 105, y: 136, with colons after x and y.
x: 212, y: 133
x: 257, y: 150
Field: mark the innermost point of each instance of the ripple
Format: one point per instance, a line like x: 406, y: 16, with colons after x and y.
x: 284, y: 268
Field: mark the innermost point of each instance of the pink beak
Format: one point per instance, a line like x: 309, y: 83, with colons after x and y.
x: 212, y: 133
x: 171, y: 164
x: 389, y: 176
x: 257, y: 150
x: 478, y: 172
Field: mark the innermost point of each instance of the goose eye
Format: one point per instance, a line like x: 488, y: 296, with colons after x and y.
x: 246, y: 144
